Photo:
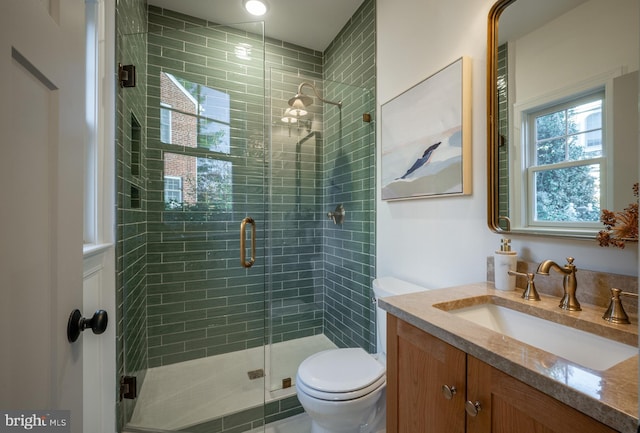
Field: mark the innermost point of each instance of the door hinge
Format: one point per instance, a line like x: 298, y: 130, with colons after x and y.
x: 128, y: 387
x: 127, y: 75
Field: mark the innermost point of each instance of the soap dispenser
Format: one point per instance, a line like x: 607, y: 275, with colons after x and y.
x: 504, y: 261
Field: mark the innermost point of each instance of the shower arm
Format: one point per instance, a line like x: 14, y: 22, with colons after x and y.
x: 305, y: 83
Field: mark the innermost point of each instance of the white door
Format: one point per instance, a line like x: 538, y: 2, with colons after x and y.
x: 42, y: 134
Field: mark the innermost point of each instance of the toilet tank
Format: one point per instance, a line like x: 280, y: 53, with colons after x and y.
x: 383, y: 287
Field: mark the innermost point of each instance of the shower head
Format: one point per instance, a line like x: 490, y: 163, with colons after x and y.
x: 300, y: 101
x: 299, y: 104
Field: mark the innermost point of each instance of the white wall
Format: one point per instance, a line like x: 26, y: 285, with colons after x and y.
x: 605, y: 39
x: 440, y: 242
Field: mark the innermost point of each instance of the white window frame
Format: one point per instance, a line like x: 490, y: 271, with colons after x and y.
x: 166, y: 128
x: 99, y: 191
x: 532, y: 167
x: 521, y: 178
x: 179, y: 179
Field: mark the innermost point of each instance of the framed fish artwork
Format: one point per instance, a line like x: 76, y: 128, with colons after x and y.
x: 426, y: 137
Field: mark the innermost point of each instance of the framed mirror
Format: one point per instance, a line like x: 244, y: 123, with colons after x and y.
x: 562, y: 113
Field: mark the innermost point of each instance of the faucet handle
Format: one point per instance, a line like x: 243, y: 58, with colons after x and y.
x: 615, y: 312
x: 570, y: 266
x: 530, y: 293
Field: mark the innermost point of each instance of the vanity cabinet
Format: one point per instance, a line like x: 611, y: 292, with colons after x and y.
x: 429, y: 382
x: 418, y: 364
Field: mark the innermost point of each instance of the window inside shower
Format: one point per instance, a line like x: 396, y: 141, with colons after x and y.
x: 196, y: 119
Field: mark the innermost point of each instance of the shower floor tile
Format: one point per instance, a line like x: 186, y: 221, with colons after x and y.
x: 180, y: 395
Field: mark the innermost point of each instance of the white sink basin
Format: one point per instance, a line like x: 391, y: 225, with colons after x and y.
x: 583, y: 348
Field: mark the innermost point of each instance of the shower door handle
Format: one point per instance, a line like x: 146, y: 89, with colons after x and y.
x: 243, y: 238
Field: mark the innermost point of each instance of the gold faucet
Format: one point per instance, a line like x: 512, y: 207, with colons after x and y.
x: 569, y: 284
x: 530, y: 293
x: 615, y: 312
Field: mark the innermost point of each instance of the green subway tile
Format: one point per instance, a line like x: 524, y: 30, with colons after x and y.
x: 207, y: 73
x: 163, y: 41
x: 183, y: 257
x: 191, y: 295
x: 157, y: 351
x: 165, y: 21
x: 186, y: 57
x: 207, y: 50
x: 166, y: 308
x: 205, y: 303
x: 155, y: 331
x: 188, y: 19
x: 194, y: 37
x: 184, y: 356
x: 223, y: 65
x: 245, y: 299
x: 186, y: 318
x: 243, y: 317
x: 165, y: 267
x: 183, y: 276
x: 168, y: 339
x: 171, y: 64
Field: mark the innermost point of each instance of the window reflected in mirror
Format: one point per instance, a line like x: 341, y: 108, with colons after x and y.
x: 565, y: 151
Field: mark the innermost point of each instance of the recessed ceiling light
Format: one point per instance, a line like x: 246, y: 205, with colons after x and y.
x: 256, y: 7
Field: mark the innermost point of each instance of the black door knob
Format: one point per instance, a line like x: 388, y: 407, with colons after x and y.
x: 77, y: 324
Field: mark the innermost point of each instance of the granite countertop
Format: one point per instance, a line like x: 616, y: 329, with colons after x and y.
x: 610, y: 396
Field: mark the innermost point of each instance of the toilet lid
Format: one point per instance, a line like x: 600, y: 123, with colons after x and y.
x: 340, y: 370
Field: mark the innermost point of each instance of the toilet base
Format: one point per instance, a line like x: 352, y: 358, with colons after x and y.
x: 379, y: 427
x: 366, y: 415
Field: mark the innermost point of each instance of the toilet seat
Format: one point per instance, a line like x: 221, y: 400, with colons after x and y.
x: 340, y: 374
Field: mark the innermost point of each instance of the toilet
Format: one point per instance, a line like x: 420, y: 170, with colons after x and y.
x: 344, y: 390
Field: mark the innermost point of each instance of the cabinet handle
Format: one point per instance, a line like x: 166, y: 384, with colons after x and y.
x: 448, y: 391
x: 472, y: 408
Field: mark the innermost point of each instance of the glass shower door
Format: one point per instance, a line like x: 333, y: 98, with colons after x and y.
x: 191, y: 174
x: 320, y: 272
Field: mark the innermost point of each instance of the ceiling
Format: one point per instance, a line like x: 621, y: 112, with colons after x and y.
x: 308, y: 23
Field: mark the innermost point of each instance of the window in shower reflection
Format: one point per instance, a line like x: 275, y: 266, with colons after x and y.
x: 193, y: 183
x: 193, y: 115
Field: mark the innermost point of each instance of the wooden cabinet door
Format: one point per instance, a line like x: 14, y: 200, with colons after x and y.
x: 418, y: 365
x: 508, y: 405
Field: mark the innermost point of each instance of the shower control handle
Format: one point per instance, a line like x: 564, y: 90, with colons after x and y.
x: 337, y: 215
x: 77, y: 324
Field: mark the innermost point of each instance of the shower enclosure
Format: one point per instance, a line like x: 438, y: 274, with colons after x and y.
x: 229, y: 271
